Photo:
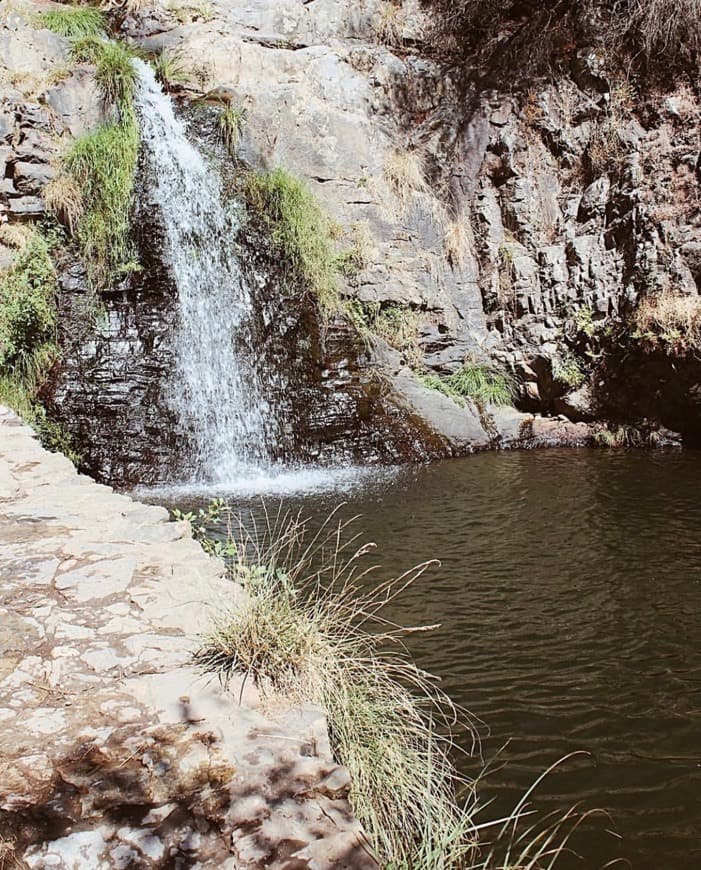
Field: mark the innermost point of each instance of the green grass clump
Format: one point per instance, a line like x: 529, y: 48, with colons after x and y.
x: 115, y: 72
x: 169, y: 66
x: 398, y: 325
x: 301, y: 231
x: 103, y: 163
x: 309, y: 630
x: 93, y: 197
x: 232, y: 121
x: 481, y: 382
x: 74, y: 21
x: 28, y: 349
x: 568, y: 370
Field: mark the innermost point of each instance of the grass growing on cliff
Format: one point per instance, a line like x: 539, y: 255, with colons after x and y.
x: 93, y: 196
x: 669, y: 322
x: 398, y: 325
x: 102, y: 164
x: 74, y: 21
x: 28, y: 319
x: 231, y: 124
x: 312, y: 629
x: 301, y: 231
x: 484, y: 383
x: 114, y: 69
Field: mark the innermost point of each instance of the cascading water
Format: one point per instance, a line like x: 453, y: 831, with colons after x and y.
x: 215, y: 390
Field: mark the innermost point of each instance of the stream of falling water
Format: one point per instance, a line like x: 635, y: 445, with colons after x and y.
x: 215, y: 389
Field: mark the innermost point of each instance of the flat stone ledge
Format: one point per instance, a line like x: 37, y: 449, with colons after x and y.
x: 114, y: 752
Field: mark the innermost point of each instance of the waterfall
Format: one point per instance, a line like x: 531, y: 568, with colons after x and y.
x: 215, y: 391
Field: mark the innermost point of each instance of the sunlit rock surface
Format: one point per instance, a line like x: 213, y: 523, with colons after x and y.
x: 113, y: 751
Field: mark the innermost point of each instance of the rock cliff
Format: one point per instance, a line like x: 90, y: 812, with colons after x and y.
x: 521, y: 226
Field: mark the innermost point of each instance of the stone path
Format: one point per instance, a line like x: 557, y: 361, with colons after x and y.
x: 114, y: 753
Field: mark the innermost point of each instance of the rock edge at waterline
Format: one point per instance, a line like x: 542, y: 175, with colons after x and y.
x: 113, y: 751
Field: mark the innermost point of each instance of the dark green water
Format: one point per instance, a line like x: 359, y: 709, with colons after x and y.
x: 568, y: 596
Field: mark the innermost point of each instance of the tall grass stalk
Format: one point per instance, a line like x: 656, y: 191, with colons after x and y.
x: 482, y: 382
x: 314, y: 628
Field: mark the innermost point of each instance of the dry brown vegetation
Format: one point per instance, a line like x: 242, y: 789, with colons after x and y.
x: 657, y: 35
x: 669, y: 321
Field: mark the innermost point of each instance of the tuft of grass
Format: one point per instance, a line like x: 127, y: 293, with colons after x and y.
x: 568, y: 370
x: 169, y: 66
x: 404, y: 172
x: 231, y: 124
x: 312, y: 629
x: 483, y: 383
x: 398, y: 325
x: 74, y: 21
x: 115, y: 72
x: 301, y: 231
x: 670, y: 322
x: 102, y: 165
x: 614, y: 437
x: 64, y: 199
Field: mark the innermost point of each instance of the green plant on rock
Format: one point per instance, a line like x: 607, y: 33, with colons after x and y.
x: 232, y: 121
x: 302, y: 233
x: 27, y: 307
x: 28, y: 349
x: 102, y: 163
x: 399, y: 325
x: 484, y: 383
x: 169, y: 66
x: 94, y: 194
x: 568, y: 370
x: 74, y: 21
x: 115, y: 72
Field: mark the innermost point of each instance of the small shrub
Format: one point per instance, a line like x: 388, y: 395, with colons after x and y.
x: 670, y: 322
x: 74, y: 21
x: 232, y: 122
x: 28, y: 348
x: 389, y: 23
x: 301, y: 231
x: 27, y: 307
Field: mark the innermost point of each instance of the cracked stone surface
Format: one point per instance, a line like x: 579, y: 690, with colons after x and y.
x: 114, y: 752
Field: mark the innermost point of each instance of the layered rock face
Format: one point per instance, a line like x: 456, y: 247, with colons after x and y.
x: 519, y: 230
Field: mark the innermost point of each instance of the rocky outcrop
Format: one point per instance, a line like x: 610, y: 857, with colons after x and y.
x: 520, y: 229
x: 114, y: 752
